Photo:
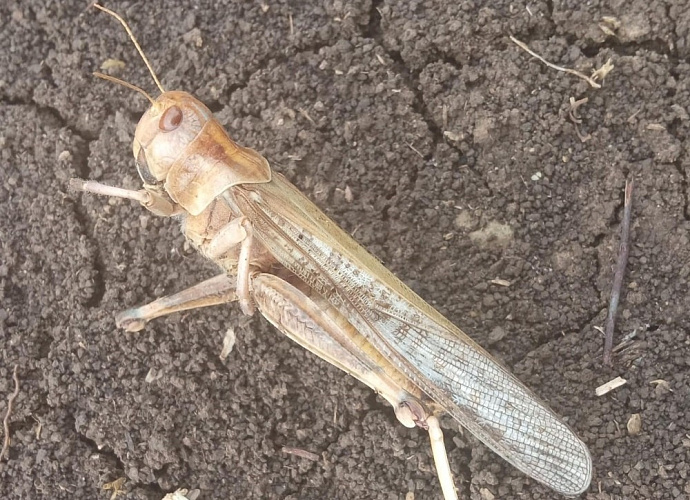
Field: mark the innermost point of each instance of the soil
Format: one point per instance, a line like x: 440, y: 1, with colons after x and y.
x: 444, y: 148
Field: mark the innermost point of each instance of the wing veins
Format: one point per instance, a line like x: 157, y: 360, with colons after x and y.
x: 347, y: 271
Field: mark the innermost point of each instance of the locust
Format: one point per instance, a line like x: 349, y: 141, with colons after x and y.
x: 280, y: 255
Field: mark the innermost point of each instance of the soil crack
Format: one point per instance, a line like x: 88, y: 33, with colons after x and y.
x: 411, y: 79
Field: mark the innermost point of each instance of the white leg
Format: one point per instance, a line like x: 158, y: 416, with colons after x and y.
x: 237, y: 231
x: 226, y: 239
x: 246, y: 302
x: 438, y: 450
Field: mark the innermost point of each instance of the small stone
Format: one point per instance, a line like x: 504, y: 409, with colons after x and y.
x: 634, y: 424
x: 496, y: 335
x: 486, y: 494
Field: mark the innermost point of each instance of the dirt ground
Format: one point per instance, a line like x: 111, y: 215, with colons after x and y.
x: 422, y: 129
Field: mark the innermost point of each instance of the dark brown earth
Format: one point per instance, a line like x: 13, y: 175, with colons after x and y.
x: 464, y: 167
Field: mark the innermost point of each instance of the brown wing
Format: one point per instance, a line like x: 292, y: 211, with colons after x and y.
x: 437, y: 356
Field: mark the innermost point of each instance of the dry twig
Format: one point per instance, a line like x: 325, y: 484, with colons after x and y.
x: 610, y: 385
x: 6, y: 421
x: 599, y: 74
x: 575, y: 117
x: 414, y: 149
x: 300, y: 453
x: 574, y: 105
x: 620, y: 272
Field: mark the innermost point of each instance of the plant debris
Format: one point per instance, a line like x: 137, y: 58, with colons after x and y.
x: 610, y: 385
x: 619, y: 274
x: 6, y: 420
x: 597, y: 75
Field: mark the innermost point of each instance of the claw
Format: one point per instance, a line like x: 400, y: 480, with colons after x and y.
x: 129, y: 321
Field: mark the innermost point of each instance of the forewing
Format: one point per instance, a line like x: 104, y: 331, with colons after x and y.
x: 485, y: 398
x: 438, y: 357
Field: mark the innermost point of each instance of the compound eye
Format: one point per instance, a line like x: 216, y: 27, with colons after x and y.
x: 143, y: 169
x: 171, y: 119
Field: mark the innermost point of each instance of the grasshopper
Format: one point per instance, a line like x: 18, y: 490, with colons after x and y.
x: 280, y: 255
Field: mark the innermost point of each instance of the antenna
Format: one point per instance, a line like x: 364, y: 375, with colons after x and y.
x: 134, y: 41
x: 124, y: 84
